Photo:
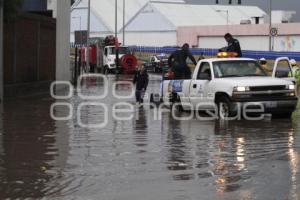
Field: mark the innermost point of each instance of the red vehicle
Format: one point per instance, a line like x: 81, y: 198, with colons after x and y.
x: 102, y: 56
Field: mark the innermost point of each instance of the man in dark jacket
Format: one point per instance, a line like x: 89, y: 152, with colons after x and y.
x: 233, y: 45
x: 177, y: 62
x: 141, y: 80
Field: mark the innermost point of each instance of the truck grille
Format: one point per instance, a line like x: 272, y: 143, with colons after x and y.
x: 267, y: 88
x: 269, y: 96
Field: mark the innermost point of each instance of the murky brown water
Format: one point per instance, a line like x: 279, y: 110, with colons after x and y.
x: 143, y: 158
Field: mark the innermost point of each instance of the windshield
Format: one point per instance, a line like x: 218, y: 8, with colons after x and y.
x: 238, y: 68
x: 122, y: 50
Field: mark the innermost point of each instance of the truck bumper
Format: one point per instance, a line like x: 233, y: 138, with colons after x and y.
x: 277, y: 106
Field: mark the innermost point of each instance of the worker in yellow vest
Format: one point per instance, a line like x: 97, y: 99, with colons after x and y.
x: 295, y: 69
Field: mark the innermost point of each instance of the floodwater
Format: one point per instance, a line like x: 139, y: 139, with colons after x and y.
x: 142, y: 158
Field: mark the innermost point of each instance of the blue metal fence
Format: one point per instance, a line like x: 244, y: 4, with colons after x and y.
x: 271, y: 55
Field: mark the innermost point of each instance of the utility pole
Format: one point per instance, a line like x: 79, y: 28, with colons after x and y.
x: 88, y: 36
x: 116, y: 34
x: 1, y: 51
x: 116, y: 18
x: 270, y: 26
x: 123, y: 22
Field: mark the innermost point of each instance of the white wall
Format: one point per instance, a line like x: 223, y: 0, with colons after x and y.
x: 287, y: 43
x: 151, y: 38
x: 281, y: 43
x: 63, y: 71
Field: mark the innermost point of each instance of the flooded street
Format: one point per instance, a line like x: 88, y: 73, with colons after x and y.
x: 142, y: 158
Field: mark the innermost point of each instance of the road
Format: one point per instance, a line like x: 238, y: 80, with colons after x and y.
x: 143, y: 157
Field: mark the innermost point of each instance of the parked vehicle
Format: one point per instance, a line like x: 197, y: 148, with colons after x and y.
x: 157, y: 63
x: 103, y: 54
x: 227, y: 82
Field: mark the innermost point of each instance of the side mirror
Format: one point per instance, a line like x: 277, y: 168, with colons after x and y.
x: 204, y: 76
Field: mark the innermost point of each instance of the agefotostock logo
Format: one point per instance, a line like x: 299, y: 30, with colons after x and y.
x: 123, y: 110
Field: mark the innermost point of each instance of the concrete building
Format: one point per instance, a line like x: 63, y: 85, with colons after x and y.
x: 282, y: 16
x: 157, y: 22
x: 251, y: 37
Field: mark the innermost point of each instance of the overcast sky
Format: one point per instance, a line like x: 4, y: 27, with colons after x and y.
x: 264, y: 4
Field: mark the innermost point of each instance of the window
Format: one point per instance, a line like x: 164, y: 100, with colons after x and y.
x: 283, y: 69
x: 204, y: 69
x: 237, y: 68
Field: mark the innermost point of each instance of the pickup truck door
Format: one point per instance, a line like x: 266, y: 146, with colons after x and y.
x: 282, y: 69
x: 199, y: 87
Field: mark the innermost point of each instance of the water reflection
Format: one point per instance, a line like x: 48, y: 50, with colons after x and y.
x: 144, y: 158
x: 178, y: 153
x: 29, y: 149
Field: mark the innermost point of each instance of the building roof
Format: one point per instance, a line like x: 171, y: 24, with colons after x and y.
x: 144, y: 15
x: 103, y: 12
x: 178, y: 14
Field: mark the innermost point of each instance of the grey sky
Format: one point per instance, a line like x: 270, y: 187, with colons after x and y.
x: 264, y: 4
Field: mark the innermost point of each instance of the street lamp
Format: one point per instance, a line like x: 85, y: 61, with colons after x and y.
x: 116, y: 18
x: 88, y: 35
x: 123, y: 22
x: 270, y: 25
x: 227, y: 14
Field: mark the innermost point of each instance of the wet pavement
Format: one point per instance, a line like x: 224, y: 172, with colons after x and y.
x: 142, y: 158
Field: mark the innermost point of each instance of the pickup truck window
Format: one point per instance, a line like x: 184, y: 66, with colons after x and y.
x: 237, y: 68
x: 283, y: 69
x: 204, y: 69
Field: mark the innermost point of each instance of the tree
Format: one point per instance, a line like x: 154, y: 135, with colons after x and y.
x: 11, y: 9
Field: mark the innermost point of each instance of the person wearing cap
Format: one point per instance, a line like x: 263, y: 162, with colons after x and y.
x: 263, y: 63
x: 295, y: 69
x: 177, y: 62
x: 233, y: 45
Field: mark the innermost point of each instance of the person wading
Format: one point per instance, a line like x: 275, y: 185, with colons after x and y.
x: 141, y: 80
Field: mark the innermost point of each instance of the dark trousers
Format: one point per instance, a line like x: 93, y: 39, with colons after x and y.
x: 139, y: 95
x: 182, y: 73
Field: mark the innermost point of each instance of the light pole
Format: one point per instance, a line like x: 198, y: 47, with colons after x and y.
x: 227, y: 15
x: 116, y: 18
x: 270, y: 25
x: 88, y: 36
x: 123, y: 22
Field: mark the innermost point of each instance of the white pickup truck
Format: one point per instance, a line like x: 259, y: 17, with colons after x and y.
x: 228, y: 82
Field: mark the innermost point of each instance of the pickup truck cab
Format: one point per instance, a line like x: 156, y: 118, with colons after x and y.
x: 226, y: 83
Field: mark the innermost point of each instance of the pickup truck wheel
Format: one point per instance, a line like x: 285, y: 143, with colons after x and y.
x: 224, y: 108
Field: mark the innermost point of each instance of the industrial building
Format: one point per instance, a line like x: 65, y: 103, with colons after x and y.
x: 172, y: 22
x: 156, y: 22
